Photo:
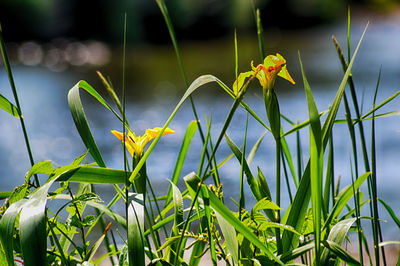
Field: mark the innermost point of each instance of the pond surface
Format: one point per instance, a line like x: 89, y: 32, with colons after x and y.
x: 154, y: 88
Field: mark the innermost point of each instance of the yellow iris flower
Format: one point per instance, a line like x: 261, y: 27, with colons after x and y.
x: 135, y: 144
x: 266, y: 73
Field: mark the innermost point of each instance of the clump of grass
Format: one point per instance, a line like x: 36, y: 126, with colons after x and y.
x: 159, y: 230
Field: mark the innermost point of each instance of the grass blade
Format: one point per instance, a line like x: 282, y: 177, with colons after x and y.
x: 316, y: 164
x: 298, y: 208
x: 94, y: 175
x: 136, y: 229
x: 190, y: 131
x: 81, y: 123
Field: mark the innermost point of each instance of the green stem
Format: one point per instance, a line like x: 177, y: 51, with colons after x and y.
x: 14, y: 91
x: 278, y: 193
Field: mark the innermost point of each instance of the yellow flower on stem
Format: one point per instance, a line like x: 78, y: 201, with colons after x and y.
x: 266, y: 73
x: 135, y: 144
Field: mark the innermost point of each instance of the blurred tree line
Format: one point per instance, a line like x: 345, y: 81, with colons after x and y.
x: 44, y: 20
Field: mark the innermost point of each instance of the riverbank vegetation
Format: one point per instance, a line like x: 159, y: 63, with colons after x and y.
x: 50, y: 220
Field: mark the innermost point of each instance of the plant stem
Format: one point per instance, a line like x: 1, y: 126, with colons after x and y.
x: 14, y: 91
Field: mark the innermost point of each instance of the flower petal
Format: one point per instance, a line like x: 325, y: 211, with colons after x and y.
x: 284, y: 73
x: 238, y: 84
x: 128, y: 142
x: 152, y: 133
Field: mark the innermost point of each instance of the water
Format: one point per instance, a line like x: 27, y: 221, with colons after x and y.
x: 43, y: 96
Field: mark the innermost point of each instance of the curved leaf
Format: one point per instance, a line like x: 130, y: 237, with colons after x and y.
x: 79, y: 116
x: 136, y: 229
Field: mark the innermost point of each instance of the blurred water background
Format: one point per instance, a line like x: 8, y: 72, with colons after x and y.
x: 47, y: 63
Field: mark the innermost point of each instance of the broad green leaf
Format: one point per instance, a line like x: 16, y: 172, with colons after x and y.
x: 80, y: 120
x: 7, y: 229
x: 7, y: 106
x: 229, y: 234
x: 33, y: 227
x: 94, y: 175
x: 336, y: 235
x: 136, y: 229
x: 316, y: 163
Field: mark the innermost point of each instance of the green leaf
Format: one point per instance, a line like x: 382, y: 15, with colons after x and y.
x: 44, y: 167
x: 190, y: 131
x: 229, y: 234
x: 343, y: 197
x: 316, y: 163
x: 7, y: 106
x: 94, y: 175
x: 339, y: 252
x: 7, y: 229
x: 250, y: 178
x: 265, y: 203
x: 391, y: 212
x: 80, y: 120
x: 178, y: 206
x: 136, y: 229
x: 297, y: 252
x: 33, y: 227
x: 336, y: 235
x: 381, y: 104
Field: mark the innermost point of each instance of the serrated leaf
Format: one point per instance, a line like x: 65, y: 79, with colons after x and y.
x: 266, y: 204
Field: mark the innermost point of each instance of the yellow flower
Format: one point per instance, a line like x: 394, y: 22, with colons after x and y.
x: 135, y: 144
x: 266, y: 73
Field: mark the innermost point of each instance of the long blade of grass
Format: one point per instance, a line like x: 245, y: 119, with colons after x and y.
x: 391, y: 212
x: 377, y: 231
x: 298, y: 208
x: 136, y: 229
x: 7, y: 230
x: 190, y: 131
x: 80, y: 120
x: 94, y: 175
x: 316, y: 163
x: 250, y: 178
x: 375, y: 108
x: 229, y: 233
